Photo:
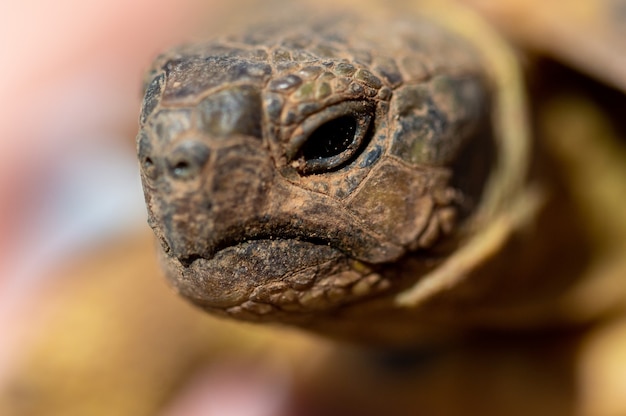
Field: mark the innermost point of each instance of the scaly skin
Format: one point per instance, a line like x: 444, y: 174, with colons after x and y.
x: 358, y: 184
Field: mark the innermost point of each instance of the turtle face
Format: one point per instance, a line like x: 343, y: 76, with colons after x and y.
x: 281, y: 176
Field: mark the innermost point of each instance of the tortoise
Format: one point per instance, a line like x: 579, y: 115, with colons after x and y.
x: 120, y: 343
x: 378, y: 174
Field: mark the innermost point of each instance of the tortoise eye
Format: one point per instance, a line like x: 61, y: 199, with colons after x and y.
x: 332, y: 139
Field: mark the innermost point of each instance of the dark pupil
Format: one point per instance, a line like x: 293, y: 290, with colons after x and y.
x: 330, y: 139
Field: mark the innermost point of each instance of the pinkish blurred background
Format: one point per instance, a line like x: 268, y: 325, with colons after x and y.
x: 70, y: 84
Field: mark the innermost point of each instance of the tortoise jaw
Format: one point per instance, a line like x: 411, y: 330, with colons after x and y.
x: 242, y: 235
x: 274, y: 280
x: 257, y: 255
x: 239, y: 273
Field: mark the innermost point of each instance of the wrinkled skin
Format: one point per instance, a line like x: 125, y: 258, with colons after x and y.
x: 282, y: 172
x: 308, y: 174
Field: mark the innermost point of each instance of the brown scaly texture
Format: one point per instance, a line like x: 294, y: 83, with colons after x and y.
x: 355, y: 176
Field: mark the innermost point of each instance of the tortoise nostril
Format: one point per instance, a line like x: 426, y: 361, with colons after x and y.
x: 149, y: 168
x: 188, y: 159
x: 181, y: 169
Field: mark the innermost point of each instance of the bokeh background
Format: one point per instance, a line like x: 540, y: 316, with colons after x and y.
x: 70, y: 84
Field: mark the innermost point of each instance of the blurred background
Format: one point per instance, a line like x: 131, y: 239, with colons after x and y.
x: 87, y: 324
x: 70, y: 84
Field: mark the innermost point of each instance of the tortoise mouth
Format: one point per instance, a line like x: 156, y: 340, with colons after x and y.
x: 252, y: 269
x: 348, y: 237
x: 241, y: 238
x: 280, y: 264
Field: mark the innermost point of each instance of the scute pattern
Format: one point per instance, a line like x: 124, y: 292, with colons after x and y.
x: 248, y: 233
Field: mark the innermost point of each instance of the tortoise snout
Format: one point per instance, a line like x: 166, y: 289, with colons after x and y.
x: 209, y: 190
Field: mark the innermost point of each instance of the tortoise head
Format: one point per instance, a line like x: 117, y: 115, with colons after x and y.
x: 289, y: 175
